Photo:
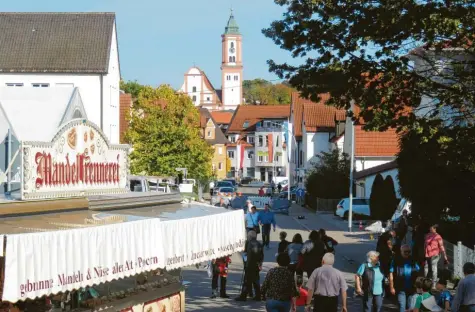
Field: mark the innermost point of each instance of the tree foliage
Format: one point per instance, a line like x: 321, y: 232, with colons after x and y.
x: 330, y: 176
x: 437, y: 175
x: 408, y: 65
x: 364, y: 51
x: 131, y: 87
x: 263, y: 92
x: 376, y: 200
x: 167, y: 137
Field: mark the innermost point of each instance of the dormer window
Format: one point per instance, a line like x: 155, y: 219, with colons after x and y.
x: 245, y: 124
x: 232, y: 139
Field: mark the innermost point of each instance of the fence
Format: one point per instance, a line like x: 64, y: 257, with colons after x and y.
x: 458, y: 255
x: 323, y: 204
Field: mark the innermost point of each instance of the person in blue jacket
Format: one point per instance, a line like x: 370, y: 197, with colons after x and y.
x: 252, y: 220
x: 266, y: 219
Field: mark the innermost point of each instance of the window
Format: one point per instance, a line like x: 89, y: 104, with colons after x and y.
x: 194, y: 89
x: 231, y: 154
x: 266, y: 158
x: 260, y: 158
x: 250, y: 139
x: 277, y: 141
x: 208, y: 99
x: 232, y: 45
x: 220, y: 150
x: 233, y: 139
x: 267, y: 140
x: 209, y: 133
x: 266, y: 124
x: 236, y: 78
x: 194, y: 98
x: 234, y: 59
x: 214, y: 167
x: 11, y: 84
x: 250, y: 155
x: 228, y: 77
x: 220, y: 166
x: 245, y: 124
x: 230, y: 59
x: 261, y: 140
x: 40, y: 85
x: 276, y: 157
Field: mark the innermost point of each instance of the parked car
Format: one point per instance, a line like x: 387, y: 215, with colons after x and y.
x: 233, y: 182
x: 360, y: 208
x: 293, y: 193
x: 220, y: 184
x: 246, y: 181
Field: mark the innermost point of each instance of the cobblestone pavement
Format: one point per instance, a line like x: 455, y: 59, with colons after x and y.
x: 349, y: 254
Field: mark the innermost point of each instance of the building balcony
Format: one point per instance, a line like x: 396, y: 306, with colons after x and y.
x: 270, y: 129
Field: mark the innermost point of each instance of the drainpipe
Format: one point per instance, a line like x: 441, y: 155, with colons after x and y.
x: 9, y: 159
x: 102, y: 101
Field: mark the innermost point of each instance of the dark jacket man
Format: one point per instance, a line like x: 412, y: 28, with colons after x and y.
x: 255, y: 256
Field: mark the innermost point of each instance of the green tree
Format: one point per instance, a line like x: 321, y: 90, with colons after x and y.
x: 365, y: 51
x: 330, y: 176
x: 263, y: 92
x: 164, y: 133
x: 390, y: 200
x: 376, y: 199
x: 131, y: 87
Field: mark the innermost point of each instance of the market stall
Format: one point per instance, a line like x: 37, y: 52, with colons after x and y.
x: 119, y: 261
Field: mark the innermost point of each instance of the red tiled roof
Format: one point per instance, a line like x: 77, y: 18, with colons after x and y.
x: 125, y: 105
x: 222, y: 118
x: 375, y: 143
x: 315, y: 115
x: 255, y: 113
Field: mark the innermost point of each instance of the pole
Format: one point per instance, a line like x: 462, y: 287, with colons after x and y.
x: 288, y: 160
x: 9, y: 156
x: 352, y: 160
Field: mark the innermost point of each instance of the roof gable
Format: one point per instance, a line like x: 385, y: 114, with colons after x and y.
x: 56, y: 42
x: 205, y: 118
x: 252, y: 114
x: 223, y: 118
x: 48, y: 108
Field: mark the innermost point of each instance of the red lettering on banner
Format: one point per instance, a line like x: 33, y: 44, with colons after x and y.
x: 51, y: 173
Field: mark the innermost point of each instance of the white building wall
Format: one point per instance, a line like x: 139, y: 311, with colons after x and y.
x: 314, y: 144
x: 368, y: 183
x: 111, y: 93
x: 89, y: 88
x: 231, y: 90
x: 362, y: 163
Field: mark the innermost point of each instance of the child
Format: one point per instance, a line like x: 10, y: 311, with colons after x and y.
x: 445, y: 298
x: 220, y: 270
x: 418, y: 287
x: 426, y: 301
x: 283, y: 242
x: 302, y: 299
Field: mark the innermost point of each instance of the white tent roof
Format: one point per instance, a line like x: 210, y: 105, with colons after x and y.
x: 35, y: 114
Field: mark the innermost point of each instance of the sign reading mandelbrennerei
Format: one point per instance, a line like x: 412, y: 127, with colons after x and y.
x: 79, y: 161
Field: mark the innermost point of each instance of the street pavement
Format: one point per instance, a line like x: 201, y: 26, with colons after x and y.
x: 350, y: 253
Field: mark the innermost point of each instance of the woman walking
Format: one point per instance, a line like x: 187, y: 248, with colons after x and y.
x: 369, y: 283
x: 279, y: 289
x: 293, y: 251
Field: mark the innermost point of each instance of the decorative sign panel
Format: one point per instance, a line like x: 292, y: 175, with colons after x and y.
x: 78, y: 162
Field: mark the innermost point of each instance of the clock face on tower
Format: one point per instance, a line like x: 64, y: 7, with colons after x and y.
x: 232, y: 50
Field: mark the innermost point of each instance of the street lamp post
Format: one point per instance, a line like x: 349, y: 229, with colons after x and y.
x: 352, y: 161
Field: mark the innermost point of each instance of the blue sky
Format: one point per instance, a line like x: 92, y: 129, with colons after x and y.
x: 159, y: 40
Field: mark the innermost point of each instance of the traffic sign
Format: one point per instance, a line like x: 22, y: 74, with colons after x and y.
x: 300, y: 192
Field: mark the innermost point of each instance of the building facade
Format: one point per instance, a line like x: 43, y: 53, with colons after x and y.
x: 71, y: 50
x: 199, y: 88
x: 212, y: 134
x: 258, y: 142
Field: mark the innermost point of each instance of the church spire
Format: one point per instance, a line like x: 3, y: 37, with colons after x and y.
x: 232, y: 28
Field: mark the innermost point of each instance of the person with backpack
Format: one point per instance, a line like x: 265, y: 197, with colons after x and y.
x: 369, y: 283
x: 403, y: 272
x: 329, y: 242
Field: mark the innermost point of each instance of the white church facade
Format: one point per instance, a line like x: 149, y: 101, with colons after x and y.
x: 197, y: 85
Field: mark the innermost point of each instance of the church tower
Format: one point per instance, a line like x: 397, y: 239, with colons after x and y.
x: 231, y: 65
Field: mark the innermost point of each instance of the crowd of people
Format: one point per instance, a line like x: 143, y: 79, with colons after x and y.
x: 404, y: 268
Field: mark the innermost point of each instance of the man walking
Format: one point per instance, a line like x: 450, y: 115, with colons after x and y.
x: 252, y: 220
x: 464, y: 300
x: 403, y: 272
x: 267, y: 220
x: 434, y: 247
x: 255, y: 257
x: 326, y: 283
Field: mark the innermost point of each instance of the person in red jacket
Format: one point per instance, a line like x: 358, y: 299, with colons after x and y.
x: 220, y: 269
